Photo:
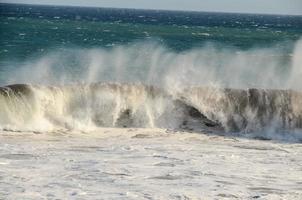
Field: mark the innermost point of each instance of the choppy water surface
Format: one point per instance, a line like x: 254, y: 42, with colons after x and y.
x: 140, y: 104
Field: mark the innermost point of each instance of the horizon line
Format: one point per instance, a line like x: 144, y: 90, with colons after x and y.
x: 152, y: 9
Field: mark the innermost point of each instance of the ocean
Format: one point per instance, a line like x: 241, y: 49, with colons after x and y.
x: 106, y: 103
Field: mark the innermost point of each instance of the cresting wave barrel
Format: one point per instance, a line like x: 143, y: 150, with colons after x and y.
x: 84, y: 106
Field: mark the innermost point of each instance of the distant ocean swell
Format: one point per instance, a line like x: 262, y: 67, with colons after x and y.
x: 88, y: 106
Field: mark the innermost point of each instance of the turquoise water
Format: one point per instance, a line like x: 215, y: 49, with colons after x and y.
x: 32, y: 31
x: 92, y: 100
x: 237, y: 72
x: 65, y: 39
x: 55, y: 45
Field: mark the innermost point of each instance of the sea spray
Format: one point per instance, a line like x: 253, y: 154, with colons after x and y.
x: 86, y: 107
x: 153, y: 64
x: 147, y: 85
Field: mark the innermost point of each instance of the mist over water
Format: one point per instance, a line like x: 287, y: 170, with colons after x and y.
x: 149, y: 85
x: 153, y: 64
x: 80, y: 69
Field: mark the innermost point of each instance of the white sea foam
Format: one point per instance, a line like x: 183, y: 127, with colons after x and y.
x: 86, y: 107
x: 146, y: 164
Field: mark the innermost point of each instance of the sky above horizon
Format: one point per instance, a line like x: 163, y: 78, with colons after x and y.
x: 291, y: 7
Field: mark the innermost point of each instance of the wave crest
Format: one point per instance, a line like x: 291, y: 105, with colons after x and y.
x: 88, y: 106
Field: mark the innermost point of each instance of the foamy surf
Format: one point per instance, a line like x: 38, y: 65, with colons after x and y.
x: 86, y: 107
x: 131, y: 163
x: 140, y: 104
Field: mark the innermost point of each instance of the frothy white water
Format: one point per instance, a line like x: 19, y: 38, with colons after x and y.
x: 86, y: 107
x: 147, y: 164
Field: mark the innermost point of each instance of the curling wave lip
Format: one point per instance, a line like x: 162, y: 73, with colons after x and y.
x: 88, y: 106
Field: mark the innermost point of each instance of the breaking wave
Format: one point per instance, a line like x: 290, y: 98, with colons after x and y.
x: 88, y: 106
x: 147, y: 85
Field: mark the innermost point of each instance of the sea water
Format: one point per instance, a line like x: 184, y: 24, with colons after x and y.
x: 102, y: 103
